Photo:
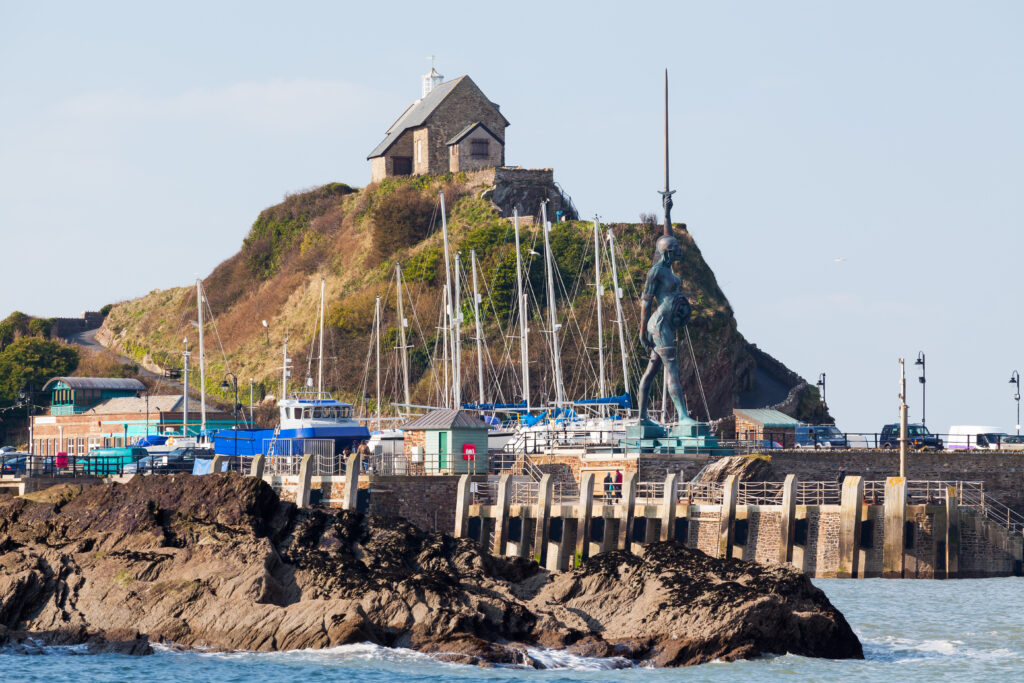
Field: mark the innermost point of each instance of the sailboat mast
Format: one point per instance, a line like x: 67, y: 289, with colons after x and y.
x: 376, y: 328
x: 552, y: 314
x: 402, y: 322
x: 284, y: 368
x: 449, y: 337
x: 184, y: 416
x: 457, y: 336
x: 598, y: 296
x: 479, y: 334
x: 524, y: 354
x: 202, y: 360
x: 617, y: 295
x: 320, y: 369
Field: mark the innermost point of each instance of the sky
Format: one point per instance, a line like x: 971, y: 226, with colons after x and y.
x: 851, y: 171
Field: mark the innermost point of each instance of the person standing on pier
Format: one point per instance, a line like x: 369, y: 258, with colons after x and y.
x: 609, y: 486
x: 618, y: 484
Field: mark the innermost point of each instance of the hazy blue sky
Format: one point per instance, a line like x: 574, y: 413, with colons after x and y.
x: 139, y: 142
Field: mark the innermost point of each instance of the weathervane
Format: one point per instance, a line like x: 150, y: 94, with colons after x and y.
x: 666, y: 194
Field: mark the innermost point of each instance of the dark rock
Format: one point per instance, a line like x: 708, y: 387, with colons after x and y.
x: 218, y: 561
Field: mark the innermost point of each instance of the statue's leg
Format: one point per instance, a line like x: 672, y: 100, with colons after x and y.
x: 675, y: 387
x: 644, y: 391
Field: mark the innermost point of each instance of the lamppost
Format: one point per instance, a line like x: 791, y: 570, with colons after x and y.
x: 234, y: 408
x: 266, y: 328
x: 25, y: 399
x: 821, y: 387
x: 922, y: 380
x: 1015, y: 379
x: 251, y: 423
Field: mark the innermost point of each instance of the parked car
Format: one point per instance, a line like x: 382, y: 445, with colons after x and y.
x: 1012, y: 442
x: 178, y: 460
x: 963, y: 437
x: 819, y: 436
x: 19, y: 466
x: 918, y: 438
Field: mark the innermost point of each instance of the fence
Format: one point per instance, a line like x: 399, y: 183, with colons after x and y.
x: 288, y: 454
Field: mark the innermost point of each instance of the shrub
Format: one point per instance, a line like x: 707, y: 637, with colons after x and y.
x: 423, y: 266
x: 400, y: 219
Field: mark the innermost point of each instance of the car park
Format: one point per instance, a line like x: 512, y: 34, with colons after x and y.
x: 918, y: 438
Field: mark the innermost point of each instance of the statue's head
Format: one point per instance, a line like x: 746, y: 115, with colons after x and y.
x: 668, y: 248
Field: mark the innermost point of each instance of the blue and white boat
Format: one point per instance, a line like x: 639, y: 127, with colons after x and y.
x: 310, y: 415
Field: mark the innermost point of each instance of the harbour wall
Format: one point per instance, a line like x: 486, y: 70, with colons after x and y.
x: 1001, y: 473
x: 854, y: 539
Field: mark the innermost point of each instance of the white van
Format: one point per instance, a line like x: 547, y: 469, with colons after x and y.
x: 970, y: 437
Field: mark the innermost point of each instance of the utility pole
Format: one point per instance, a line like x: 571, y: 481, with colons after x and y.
x: 903, y: 419
x: 251, y: 421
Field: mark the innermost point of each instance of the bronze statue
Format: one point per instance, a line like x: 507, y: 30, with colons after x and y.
x: 664, y: 310
x: 670, y: 311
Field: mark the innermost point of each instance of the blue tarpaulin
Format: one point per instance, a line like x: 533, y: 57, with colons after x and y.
x: 151, y: 440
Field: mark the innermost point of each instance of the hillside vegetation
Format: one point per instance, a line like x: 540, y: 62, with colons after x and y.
x: 353, y: 239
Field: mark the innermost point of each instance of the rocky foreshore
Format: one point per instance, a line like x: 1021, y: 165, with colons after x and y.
x: 218, y: 561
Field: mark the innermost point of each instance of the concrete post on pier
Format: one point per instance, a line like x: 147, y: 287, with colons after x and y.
x: 462, y: 507
x: 849, y: 527
x: 952, y: 533
x: 893, y: 555
x: 584, y: 512
x: 217, y: 464
x: 545, y: 491
x: 668, y: 507
x: 305, y: 481
x: 788, y: 520
x: 727, y: 518
x: 501, y: 520
x: 258, y: 465
x: 628, y: 503
x: 352, y: 482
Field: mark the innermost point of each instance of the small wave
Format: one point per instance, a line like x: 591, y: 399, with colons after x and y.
x: 905, y: 649
x: 559, y: 659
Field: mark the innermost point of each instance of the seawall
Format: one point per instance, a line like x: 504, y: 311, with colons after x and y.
x: 1002, y: 473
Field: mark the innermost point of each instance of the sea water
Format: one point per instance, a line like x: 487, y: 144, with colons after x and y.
x: 967, y: 630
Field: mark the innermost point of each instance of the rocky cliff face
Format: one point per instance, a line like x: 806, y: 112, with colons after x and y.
x: 218, y: 561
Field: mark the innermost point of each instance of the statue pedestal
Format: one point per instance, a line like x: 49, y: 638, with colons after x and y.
x: 686, y: 437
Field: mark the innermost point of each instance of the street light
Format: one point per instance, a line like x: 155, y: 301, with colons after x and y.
x: 821, y: 386
x: 1015, y: 379
x: 266, y: 327
x: 922, y: 380
x: 234, y: 408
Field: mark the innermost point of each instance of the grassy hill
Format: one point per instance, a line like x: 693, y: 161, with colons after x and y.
x: 353, y: 239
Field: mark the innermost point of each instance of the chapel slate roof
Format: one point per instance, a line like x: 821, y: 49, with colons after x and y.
x: 469, y: 129
x: 447, y: 418
x: 102, y: 383
x: 418, y: 112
